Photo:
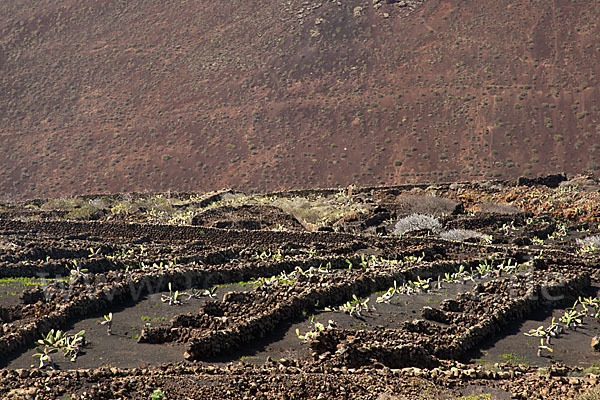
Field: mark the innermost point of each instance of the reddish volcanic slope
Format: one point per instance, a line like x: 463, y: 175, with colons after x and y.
x: 114, y: 95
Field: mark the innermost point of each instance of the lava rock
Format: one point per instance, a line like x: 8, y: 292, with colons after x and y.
x: 595, y: 345
x: 552, y: 181
x: 32, y: 296
x: 434, y: 314
x: 450, y: 305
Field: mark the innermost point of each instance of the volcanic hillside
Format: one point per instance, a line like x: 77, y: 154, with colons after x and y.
x: 113, y: 95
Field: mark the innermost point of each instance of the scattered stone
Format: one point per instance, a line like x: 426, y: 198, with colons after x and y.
x: 433, y: 314
x: 595, y: 343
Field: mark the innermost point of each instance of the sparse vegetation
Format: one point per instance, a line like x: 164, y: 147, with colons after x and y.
x: 464, y: 234
x: 173, y: 298
x: 58, y: 340
x: 199, y: 293
x: 355, y: 307
x: 400, y: 296
x: 158, y: 394
x: 45, y: 356
x: 78, y: 272
x: 108, y: 320
x: 316, y: 328
x: 589, y: 244
x: 591, y: 394
x: 417, y: 222
x: 477, y: 397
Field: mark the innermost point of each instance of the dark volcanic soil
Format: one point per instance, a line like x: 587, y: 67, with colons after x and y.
x: 344, y: 308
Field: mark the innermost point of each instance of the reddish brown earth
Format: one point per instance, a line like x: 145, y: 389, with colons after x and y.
x: 101, y: 96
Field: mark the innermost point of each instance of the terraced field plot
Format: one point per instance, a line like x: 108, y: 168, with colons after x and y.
x: 401, y: 291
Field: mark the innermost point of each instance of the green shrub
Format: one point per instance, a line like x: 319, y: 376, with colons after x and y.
x: 85, y: 212
x: 77, y: 208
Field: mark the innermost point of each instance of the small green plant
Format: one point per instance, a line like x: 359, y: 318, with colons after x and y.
x: 108, y: 320
x: 263, y: 255
x: 72, y: 345
x: 364, y: 261
x: 484, y: 268
x: 349, y: 263
x: 414, y: 259
x: 45, y: 357
x: 387, y: 296
x: 312, y: 333
x: 355, y: 307
x: 509, y: 266
x: 591, y: 306
x: 77, y: 271
x: 512, y: 358
x: 361, y: 303
x: 542, y: 347
x: 508, y: 227
x: 539, y: 332
x: 420, y: 284
x: 129, y: 268
x: 572, y: 318
x: 57, y: 340
x: 158, y: 394
x: 199, y: 293
x: 94, y: 253
x: 267, y: 254
x: 52, y: 339
x: 450, y: 277
x: 122, y: 254
x: 172, y: 298
x: 537, y: 241
x: 559, y: 233
x: 289, y: 278
x: 316, y: 328
x: 554, y: 330
x: 277, y: 256
x: 312, y: 253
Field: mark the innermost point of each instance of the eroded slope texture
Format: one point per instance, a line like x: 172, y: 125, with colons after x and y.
x: 128, y: 95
